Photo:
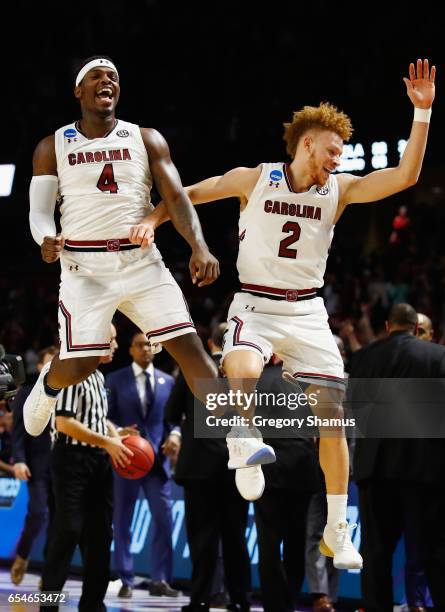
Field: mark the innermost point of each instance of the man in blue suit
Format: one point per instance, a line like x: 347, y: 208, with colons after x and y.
x: 32, y: 465
x: 137, y: 396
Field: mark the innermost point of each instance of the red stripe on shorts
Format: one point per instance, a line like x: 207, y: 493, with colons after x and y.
x: 69, y: 337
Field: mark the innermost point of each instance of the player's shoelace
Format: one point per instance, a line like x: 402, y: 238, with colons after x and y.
x: 343, y: 536
x: 239, y: 443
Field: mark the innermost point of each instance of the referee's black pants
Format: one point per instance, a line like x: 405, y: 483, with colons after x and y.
x: 83, y: 491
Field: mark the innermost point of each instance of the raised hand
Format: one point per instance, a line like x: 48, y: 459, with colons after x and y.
x: 420, y: 85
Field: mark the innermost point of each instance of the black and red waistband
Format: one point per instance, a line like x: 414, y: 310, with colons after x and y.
x: 289, y: 295
x: 100, y: 246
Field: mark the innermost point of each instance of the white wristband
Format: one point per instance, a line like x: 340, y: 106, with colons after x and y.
x: 422, y: 114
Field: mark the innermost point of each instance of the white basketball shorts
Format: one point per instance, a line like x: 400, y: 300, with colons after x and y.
x: 94, y: 285
x: 298, y: 332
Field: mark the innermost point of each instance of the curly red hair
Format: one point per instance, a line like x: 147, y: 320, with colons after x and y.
x: 322, y: 117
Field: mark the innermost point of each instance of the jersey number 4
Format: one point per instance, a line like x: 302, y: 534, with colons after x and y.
x: 295, y: 230
x: 106, y: 180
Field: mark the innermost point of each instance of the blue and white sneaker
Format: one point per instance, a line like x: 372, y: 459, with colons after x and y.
x: 246, y: 448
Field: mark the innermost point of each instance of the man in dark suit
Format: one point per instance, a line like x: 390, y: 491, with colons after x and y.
x: 214, y: 510
x: 137, y: 396
x: 399, y: 479
x: 31, y: 457
x: 416, y: 584
x: 281, y: 512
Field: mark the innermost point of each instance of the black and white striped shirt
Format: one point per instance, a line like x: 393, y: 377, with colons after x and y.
x: 87, y: 403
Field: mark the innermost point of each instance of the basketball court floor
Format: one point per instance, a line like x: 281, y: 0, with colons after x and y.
x: 140, y: 602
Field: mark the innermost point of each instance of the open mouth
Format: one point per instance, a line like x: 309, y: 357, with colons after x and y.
x: 105, y: 93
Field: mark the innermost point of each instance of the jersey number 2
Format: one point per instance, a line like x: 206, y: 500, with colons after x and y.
x: 295, y: 230
x: 106, y: 180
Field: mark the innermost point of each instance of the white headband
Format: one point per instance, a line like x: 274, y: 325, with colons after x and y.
x: 96, y: 63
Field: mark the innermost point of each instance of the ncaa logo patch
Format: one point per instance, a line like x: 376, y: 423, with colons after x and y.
x: 275, y: 177
x: 323, y: 190
x: 123, y: 133
x: 70, y: 134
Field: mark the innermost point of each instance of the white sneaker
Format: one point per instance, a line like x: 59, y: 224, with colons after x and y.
x: 246, y: 448
x: 336, y: 543
x: 250, y: 482
x: 38, y: 406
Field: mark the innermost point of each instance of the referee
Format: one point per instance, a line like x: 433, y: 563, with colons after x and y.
x: 83, y: 488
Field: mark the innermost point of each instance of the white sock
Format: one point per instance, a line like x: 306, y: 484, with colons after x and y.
x: 337, y: 505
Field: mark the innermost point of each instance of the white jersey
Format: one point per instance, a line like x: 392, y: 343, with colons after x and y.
x: 285, y: 236
x: 104, y: 183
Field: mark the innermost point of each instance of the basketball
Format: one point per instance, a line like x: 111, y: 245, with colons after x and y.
x: 142, y: 460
